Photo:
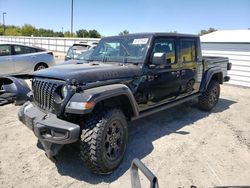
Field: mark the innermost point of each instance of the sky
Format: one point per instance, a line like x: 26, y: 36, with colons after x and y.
x: 110, y: 17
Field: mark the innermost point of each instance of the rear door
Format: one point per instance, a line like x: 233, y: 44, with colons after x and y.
x: 24, y: 58
x: 188, y: 57
x: 6, y: 63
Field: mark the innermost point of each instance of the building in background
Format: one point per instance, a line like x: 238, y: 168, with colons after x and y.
x: 234, y: 44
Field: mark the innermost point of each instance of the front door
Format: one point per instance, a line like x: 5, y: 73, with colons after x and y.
x: 163, y: 78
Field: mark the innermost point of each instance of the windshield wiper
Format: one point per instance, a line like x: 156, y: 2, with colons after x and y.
x: 125, y: 61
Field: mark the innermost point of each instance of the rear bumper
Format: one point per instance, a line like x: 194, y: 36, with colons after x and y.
x: 50, y: 130
x: 226, y: 78
x: 229, y: 66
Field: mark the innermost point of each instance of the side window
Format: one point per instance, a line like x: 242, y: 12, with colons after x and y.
x: 23, y: 50
x: 70, y: 52
x: 5, y: 50
x: 166, y: 46
x: 188, y: 50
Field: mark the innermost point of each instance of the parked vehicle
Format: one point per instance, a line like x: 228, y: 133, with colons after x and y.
x: 77, y: 49
x: 85, y: 55
x: 16, y: 59
x: 127, y: 77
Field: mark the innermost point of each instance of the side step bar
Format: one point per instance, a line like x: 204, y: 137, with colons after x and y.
x: 165, y: 106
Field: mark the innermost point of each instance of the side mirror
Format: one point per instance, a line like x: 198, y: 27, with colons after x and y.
x: 159, y: 58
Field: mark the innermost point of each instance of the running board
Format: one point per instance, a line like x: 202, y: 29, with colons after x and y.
x: 165, y: 106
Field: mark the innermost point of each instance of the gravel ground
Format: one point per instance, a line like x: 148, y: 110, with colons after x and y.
x: 183, y: 146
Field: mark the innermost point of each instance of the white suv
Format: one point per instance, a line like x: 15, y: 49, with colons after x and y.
x: 77, y: 49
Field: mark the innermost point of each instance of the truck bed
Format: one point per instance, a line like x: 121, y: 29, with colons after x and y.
x: 211, y: 61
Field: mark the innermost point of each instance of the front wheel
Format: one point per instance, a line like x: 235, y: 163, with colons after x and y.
x: 210, y: 97
x: 104, y: 140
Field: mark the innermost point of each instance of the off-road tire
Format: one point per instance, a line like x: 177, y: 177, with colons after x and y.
x: 210, y: 97
x: 93, y: 143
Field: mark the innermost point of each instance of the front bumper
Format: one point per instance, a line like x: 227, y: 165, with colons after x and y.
x: 50, y: 130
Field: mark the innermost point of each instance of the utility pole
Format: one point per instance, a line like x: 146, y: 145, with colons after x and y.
x: 4, y: 23
x: 71, y: 18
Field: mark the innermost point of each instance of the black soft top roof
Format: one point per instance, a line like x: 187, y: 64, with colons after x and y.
x: 157, y: 35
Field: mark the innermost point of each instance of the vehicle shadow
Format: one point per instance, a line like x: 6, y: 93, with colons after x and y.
x: 142, y: 133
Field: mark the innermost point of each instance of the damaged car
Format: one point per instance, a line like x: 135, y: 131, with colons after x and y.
x: 125, y: 78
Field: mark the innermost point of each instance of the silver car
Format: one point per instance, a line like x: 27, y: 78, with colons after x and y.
x: 16, y: 59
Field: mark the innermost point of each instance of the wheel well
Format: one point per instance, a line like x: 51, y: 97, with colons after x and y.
x: 41, y: 63
x: 191, y: 80
x: 217, y: 77
x: 121, y: 101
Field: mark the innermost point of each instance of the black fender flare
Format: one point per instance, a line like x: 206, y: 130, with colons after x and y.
x: 207, y: 76
x: 16, y: 86
x: 102, y: 93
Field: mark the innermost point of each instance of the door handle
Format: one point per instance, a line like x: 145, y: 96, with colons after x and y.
x: 151, y: 77
x: 8, y: 59
x: 33, y: 57
x: 177, y: 73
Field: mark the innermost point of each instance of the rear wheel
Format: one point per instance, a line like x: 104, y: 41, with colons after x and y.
x: 210, y: 97
x: 40, y: 66
x: 104, y: 140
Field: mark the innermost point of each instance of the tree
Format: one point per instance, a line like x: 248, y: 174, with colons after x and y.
x: 124, y: 32
x: 94, y: 34
x: 12, y: 31
x: 58, y: 34
x: 67, y: 34
x: 28, y: 30
x: 83, y: 33
x: 1, y: 29
x: 210, y: 30
x: 45, y: 32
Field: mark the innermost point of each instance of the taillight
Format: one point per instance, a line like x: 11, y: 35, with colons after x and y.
x: 50, y: 53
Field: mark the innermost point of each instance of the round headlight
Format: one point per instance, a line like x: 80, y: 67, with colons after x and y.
x: 64, y: 91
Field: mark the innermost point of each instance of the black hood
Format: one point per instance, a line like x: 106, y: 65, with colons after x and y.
x: 90, y: 72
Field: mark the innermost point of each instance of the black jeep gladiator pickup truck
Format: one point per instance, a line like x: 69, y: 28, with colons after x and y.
x: 127, y: 77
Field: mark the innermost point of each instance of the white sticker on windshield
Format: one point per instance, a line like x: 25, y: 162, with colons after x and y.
x: 158, y: 54
x: 140, y: 41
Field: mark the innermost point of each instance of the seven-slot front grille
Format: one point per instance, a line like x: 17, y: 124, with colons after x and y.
x: 43, y: 93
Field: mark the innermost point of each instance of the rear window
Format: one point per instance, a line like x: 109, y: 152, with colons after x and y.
x: 23, y: 50
x: 5, y: 50
x: 81, y: 47
x: 39, y: 49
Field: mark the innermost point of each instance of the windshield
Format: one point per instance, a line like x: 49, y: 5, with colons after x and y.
x: 85, y: 55
x: 124, y: 49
